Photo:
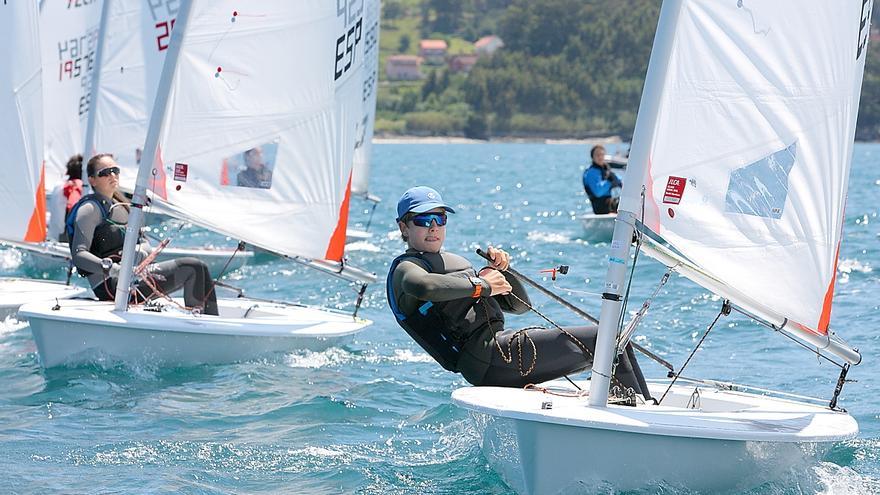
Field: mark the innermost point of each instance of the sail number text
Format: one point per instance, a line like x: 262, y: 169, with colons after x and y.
x: 351, y: 11
x: 864, y: 22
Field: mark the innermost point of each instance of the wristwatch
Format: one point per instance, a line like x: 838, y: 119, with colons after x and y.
x: 478, y: 286
x: 106, y: 264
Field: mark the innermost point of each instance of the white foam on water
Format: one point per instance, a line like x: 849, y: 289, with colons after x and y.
x: 362, y: 246
x: 549, y: 237
x: 849, y: 266
x: 336, y: 356
x: 11, y: 325
x: 10, y: 259
x: 842, y: 480
x: 408, y: 356
x: 311, y: 359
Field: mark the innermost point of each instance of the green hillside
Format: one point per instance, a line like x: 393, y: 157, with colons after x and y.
x: 569, y: 69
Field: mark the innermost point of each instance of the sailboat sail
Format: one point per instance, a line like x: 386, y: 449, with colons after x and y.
x: 134, y: 39
x: 744, y: 142
x: 69, y: 36
x: 257, y: 136
x: 22, y: 190
x: 360, y: 180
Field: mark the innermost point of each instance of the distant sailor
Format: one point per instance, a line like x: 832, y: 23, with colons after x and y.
x: 256, y: 174
x: 457, y: 314
x: 601, y: 184
x: 96, y: 226
x: 64, y: 196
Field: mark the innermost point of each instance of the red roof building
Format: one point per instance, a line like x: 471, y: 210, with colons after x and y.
x: 487, y: 45
x: 403, y: 67
x: 433, y: 51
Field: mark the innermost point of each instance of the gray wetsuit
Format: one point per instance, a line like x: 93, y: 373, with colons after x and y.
x: 485, y: 352
x: 96, y: 238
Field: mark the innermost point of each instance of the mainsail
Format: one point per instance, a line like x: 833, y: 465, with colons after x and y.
x: 253, y: 129
x: 69, y: 36
x: 743, y: 144
x: 22, y: 190
x: 360, y: 179
x: 134, y: 38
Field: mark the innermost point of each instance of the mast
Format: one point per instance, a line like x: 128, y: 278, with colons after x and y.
x: 89, y: 145
x: 150, y: 161
x: 618, y: 259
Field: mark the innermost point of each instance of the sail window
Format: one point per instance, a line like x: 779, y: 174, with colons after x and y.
x: 250, y: 168
x: 761, y: 188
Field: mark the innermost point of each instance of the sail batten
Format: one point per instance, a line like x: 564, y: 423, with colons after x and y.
x: 746, y: 156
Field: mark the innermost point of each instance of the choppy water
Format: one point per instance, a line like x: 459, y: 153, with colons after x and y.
x: 375, y: 416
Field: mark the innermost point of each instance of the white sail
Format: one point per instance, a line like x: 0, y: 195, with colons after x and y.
x: 360, y: 179
x: 69, y: 36
x: 744, y: 142
x: 133, y: 42
x: 22, y: 191
x: 273, y: 83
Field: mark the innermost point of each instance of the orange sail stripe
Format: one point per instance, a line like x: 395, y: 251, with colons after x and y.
x: 157, y: 182
x: 337, y: 241
x: 649, y: 198
x: 36, y: 231
x: 224, y: 173
x: 825, y: 319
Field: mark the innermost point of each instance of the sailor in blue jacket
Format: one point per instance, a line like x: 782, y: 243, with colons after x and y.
x: 600, y: 183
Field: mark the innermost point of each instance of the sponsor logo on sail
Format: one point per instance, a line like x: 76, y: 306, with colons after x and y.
x: 674, y: 190
x: 180, y: 171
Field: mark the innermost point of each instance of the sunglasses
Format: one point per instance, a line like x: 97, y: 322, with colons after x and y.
x: 425, y: 219
x: 104, y: 172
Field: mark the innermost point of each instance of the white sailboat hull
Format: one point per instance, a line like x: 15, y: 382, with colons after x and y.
x: 17, y: 291
x: 90, y: 331
x: 732, y: 440
x: 598, y: 228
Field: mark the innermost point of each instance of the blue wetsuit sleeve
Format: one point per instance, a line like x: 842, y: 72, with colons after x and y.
x: 597, y: 185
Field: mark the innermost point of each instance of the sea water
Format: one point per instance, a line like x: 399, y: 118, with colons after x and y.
x: 375, y: 416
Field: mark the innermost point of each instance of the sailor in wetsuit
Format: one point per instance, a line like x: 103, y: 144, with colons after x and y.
x: 601, y: 184
x: 97, y: 227
x: 457, y: 314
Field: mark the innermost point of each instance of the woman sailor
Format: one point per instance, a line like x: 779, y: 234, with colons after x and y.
x: 96, y: 227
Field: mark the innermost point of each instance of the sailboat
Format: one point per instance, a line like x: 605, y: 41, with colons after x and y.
x: 23, y: 199
x: 360, y: 177
x: 120, y: 74
x: 272, y: 81
x: 754, y: 213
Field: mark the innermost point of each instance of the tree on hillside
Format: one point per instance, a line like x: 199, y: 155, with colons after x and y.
x: 442, y: 16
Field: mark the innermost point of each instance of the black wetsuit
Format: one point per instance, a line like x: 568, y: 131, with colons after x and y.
x: 430, y: 295
x: 96, y: 238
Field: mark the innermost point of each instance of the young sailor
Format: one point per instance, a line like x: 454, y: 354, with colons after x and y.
x: 96, y: 226
x: 601, y: 184
x: 456, y: 313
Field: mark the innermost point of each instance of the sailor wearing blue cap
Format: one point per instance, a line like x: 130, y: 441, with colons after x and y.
x: 456, y: 313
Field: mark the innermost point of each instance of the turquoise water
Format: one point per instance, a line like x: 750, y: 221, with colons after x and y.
x: 375, y: 416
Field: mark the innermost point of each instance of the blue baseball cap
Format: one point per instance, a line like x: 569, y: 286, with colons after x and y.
x: 420, y: 199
